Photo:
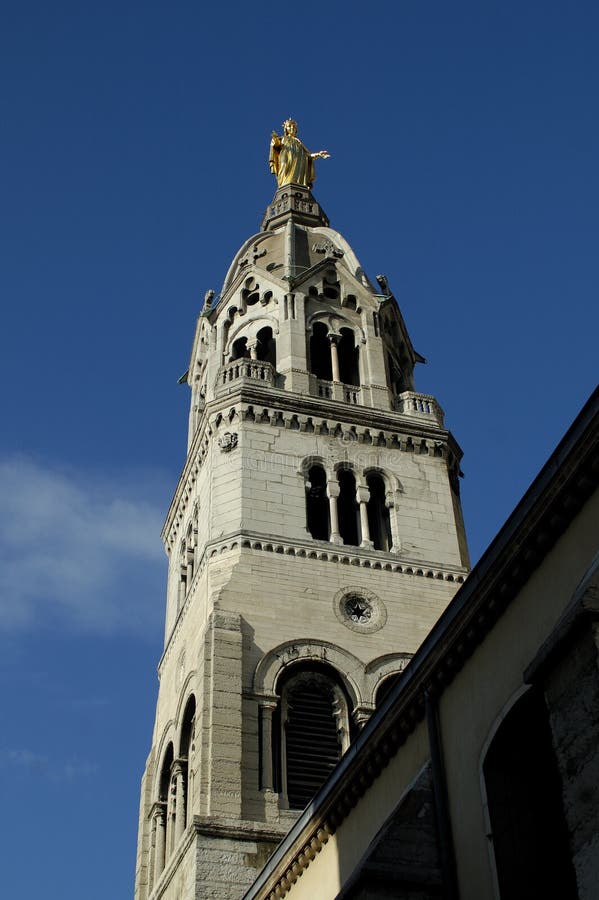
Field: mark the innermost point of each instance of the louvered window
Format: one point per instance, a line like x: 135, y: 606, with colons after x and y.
x: 314, y: 717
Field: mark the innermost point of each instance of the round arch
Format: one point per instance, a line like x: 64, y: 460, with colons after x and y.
x: 167, y: 740
x: 309, y: 461
x: 184, y: 695
x: 391, y: 481
x: 349, y: 668
x: 382, y: 668
x: 249, y: 329
x: 335, y: 322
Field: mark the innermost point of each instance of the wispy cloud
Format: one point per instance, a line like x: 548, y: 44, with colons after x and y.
x: 77, y: 550
x: 36, y: 763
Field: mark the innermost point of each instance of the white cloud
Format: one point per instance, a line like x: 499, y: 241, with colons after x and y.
x: 78, y: 551
x: 36, y: 763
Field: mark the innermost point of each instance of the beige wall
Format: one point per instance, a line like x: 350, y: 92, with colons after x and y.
x: 471, y: 705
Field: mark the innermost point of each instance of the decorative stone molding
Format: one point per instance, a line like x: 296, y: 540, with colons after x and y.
x: 341, y: 554
x: 296, y: 200
x: 328, y: 248
x: 359, y: 609
x: 279, y: 658
x: 383, y: 666
x: 228, y: 441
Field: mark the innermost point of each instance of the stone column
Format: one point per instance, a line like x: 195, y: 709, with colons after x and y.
x: 159, y: 817
x: 171, y: 814
x: 333, y: 491
x: 178, y: 771
x: 334, y: 338
x: 189, y: 572
x: 267, y: 707
x: 363, y: 496
x: 393, y: 521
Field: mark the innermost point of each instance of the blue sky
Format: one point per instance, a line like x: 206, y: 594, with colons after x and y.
x: 464, y: 141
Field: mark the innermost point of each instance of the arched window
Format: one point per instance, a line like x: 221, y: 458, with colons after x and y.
x: 528, y: 829
x: 239, y: 349
x: 320, y: 352
x: 266, y: 350
x: 186, y: 749
x: 379, y: 520
x: 347, y: 506
x: 385, y: 687
x: 349, y: 370
x: 311, y: 734
x: 317, y: 504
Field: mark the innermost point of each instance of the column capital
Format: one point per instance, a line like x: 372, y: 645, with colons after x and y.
x: 362, y: 714
x: 158, y: 810
x: 333, y: 489
x: 362, y: 494
x: 178, y: 767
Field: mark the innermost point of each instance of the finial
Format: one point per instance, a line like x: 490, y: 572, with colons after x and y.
x: 291, y: 162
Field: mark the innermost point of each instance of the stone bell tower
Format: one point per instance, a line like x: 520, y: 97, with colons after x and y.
x: 313, y: 539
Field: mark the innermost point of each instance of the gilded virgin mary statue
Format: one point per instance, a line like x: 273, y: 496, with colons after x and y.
x: 289, y: 160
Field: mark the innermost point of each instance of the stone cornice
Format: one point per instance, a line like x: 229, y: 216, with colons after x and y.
x: 323, y: 551
x: 332, y: 411
x: 567, y: 480
x: 237, y: 830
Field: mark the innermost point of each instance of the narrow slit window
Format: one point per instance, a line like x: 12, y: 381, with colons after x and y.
x: 379, y: 520
x: 317, y: 504
x: 347, y: 505
x: 320, y: 352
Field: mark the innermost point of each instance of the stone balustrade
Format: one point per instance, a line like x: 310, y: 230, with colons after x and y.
x: 334, y: 390
x: 256, y: 370
x: 409, y: 403
x: 324, y: 389
x: 351, y: 394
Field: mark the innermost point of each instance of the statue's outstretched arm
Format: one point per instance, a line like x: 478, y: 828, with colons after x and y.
x: 322, y: 154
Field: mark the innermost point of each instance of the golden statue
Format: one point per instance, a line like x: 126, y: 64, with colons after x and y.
x: 289, y: 160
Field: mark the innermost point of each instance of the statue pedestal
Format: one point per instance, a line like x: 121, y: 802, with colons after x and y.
x: 296, y: 200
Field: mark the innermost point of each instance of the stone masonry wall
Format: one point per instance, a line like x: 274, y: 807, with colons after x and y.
x: 572, y: 693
